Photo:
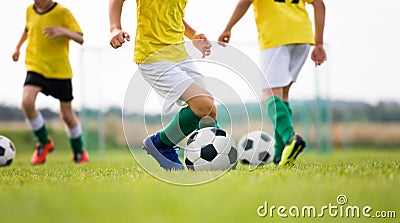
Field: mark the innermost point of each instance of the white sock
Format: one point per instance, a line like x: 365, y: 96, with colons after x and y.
x: 74, y: 132
x: 37, y: 122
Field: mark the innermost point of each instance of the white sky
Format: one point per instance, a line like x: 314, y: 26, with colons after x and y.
x: 362, y: 39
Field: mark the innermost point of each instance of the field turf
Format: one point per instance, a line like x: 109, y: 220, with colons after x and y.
x: 114, y: 188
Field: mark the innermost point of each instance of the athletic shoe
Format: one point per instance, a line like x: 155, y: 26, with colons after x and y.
x: 292, y: 149
x: 41, y: 151
x: 165, y: 156
x: 81, y: 157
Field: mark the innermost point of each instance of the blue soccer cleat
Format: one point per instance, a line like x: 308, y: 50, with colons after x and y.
x: 165, y: 156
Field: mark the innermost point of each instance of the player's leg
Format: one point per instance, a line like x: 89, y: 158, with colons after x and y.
x: 298, y: 55
x: 296, y: 144
x: 32, y: 86
x: 203, y: 106
x: 169, y: 82
x: 275, y: 63
x: 34, y: 116
x: 175, y: 85
x: 280, y: 116
x: 282, y: 66
x: 194, y: 73
x: 200, y: 108
x: 200, y: 104
x: 62, y: 90
x: 285, y: 99
x: 290, y: 144
x: 161, y: 144
x: 74, y: 132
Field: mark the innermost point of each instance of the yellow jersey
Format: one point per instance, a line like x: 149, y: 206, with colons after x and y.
x: 160, y: 31
x: 282, y: 22
x: 49, y: 57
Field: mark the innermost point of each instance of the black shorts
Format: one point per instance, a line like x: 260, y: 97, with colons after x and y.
x: 58, y: 88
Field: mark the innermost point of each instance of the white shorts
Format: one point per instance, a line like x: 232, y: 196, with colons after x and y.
x: 281, y: 65
x: 171, y: 79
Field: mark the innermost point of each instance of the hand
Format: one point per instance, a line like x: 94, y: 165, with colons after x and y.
x: 15, y: 55
x: 118, y: 38
x: 53, y: 32
x: 318, y: 54
x: 224, y: 37
x: 201, y: 42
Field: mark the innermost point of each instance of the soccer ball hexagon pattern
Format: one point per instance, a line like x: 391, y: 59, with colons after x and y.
x: 210, y: 148
x: 256, y: 148
x: 7, y: 151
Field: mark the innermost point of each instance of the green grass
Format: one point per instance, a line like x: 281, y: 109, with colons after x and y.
x: 114, y: 188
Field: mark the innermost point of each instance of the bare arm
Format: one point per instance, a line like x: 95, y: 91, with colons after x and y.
x: 118, y: 36
x: 53, y: 32
x: 319, y: 17
x: 75, y: 36
x: 318, y: 54
x: 189, y: 31
x: 240, y: 10
x: 21, y: 41
x: 199, y: 40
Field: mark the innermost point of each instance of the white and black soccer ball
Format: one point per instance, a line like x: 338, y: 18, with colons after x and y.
x: 210, y: 148
x: 256, y: 148
x: 7, y: 151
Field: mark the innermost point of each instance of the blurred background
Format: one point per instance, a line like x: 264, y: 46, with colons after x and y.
x: 351, y: 101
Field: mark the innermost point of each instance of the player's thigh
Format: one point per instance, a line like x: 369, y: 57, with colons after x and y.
x: 29, y: 94
x: 195, y: 91
x: 33, y: 84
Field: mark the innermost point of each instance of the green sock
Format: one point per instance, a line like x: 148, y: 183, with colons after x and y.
x: 180, y: 126
x: 288, y: 107
x: 279, y: 145
x: 279, y: 114
x: 76, y: 144
x: 42, y: 135
x: 217, y: 125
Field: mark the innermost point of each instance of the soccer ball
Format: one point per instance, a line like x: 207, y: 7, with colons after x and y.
x: 210, y: 148
x: 256, y: 148
x: 7, y: 151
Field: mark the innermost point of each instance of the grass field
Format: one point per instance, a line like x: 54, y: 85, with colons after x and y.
x: 114, y: 188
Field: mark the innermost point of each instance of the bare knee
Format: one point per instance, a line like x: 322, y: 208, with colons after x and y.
x: 272, y: 92
x: 28, y: 106
x: 69, y: 118
x: 203, y: 106
x: 213, y: 113
x: 67, y: 114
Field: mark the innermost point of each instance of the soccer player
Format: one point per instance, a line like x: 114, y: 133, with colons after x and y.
x: 49, y: 28
x: 164, y: 63
x: 285, y: 36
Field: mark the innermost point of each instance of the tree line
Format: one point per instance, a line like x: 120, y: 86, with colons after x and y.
x: 338, y: 111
